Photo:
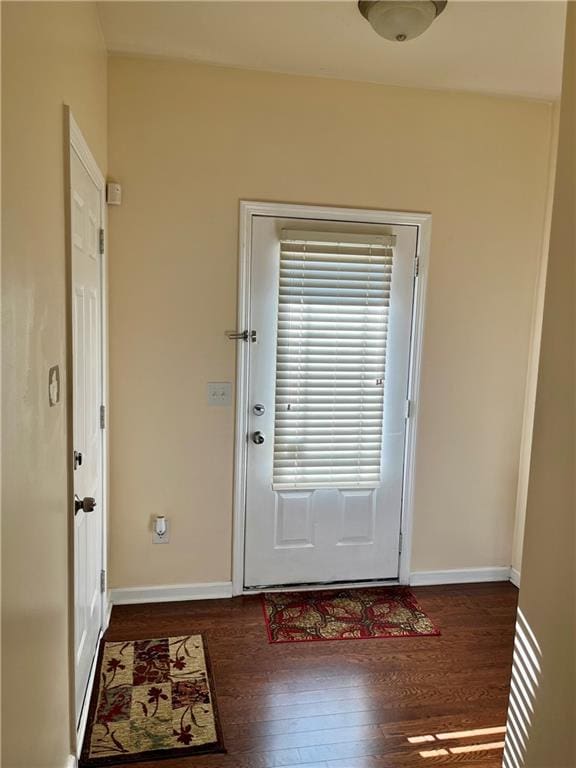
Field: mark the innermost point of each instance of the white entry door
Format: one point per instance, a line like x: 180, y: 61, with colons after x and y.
x: 331, y: 305
x: 86, y: 223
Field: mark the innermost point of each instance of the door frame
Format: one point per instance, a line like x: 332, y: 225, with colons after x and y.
x: 248, y: 210
x: 75, y: 142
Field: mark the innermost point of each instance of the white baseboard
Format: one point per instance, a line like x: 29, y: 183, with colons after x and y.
x: 107, y: 611
x: 223, y: 589
x: 515, y: 577
x: 465, y: 576
x: 171, y: 593
x: 82, y: 716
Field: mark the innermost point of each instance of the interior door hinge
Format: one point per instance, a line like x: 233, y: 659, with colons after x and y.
x: 102, y: 417
x: 100, y: 241
x: 400, y: 544
x: 408, y: 408
x: 416, y: 266
x: 102, y: 581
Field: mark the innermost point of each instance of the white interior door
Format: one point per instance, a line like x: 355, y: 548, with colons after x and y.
x: 86, y: 222
x: 331, y: 304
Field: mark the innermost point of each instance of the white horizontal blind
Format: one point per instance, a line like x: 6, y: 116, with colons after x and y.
x: 333, y: 305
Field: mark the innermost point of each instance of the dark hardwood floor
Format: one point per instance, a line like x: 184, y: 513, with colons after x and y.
x: 356, y: 703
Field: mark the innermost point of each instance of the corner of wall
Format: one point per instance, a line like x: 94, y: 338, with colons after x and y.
x: 534, y: 351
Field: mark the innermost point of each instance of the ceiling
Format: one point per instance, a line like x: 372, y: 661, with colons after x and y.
x: 509, y: 48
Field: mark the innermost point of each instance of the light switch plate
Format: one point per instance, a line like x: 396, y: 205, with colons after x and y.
x: 219, y: 393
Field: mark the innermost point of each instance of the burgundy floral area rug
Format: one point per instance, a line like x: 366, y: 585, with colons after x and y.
x: 346, y: 614
x: 153, y: 699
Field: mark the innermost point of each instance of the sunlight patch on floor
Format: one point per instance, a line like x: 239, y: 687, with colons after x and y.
x: 474, y: 733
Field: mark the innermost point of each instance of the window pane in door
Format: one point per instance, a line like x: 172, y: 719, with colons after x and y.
x: 333, y: 308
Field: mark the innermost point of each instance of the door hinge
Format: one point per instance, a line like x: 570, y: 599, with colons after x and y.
x: 416, y: 266
x: 100, y: 241
x: 408, y: 408
x: 400, y: 544
x: 102, y: 417
x: 102, y: 581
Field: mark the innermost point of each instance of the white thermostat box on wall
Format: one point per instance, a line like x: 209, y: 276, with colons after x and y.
x: 113, y: 193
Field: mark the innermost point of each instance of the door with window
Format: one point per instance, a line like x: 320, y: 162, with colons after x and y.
x: 331, y: 305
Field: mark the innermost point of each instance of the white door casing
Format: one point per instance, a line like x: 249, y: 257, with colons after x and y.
x: 323, y: 535
x: 86, y: 221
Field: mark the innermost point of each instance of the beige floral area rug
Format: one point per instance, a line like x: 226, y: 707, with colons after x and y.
x: 153, y: 700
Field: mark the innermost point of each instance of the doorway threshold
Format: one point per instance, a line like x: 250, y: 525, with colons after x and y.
x: 307, y: 587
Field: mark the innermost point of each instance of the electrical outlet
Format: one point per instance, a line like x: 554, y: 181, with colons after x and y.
x: 164, y: 539
x: 219, y: 393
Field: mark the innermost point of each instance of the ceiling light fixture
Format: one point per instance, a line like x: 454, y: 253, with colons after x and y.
x: 401, y: 20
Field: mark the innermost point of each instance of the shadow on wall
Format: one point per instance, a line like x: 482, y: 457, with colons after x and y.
x: 523, y: 686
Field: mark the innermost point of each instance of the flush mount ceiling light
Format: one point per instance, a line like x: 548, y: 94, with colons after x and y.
x: 401, y: 20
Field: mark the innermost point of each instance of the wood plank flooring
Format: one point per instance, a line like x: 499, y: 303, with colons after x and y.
x: 377, y: 703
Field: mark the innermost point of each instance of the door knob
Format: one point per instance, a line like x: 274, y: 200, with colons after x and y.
x: 87, y: 504
x: 258, y: 437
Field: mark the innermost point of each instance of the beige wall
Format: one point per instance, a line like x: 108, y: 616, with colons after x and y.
x: 51, y: 53
x: 548, y: 592
x: 188, y: 142
x: 533, y: 363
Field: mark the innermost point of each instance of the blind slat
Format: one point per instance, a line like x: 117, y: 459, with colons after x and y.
x: 333, y: 305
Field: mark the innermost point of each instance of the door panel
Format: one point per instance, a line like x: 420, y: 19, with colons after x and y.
x: 87, y: 397
x: 343, y: 532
